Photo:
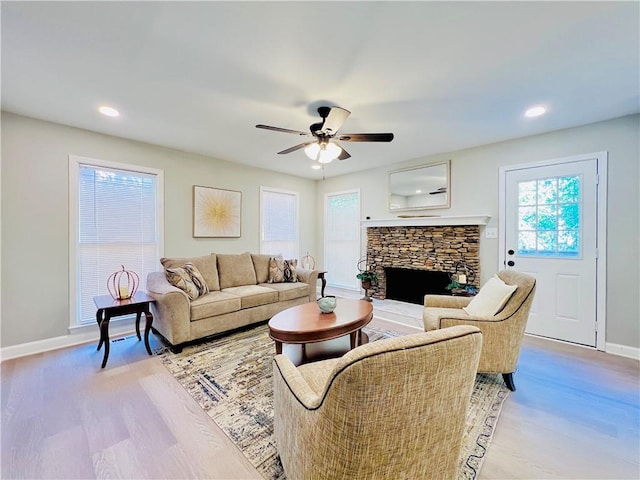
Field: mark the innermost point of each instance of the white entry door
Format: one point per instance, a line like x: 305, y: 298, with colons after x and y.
x: 551, y: 232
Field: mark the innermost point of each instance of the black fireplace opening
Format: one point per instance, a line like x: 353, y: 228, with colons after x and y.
x: 411, y: 285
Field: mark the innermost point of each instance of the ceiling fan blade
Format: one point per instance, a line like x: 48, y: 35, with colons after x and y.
x: 334, y: 120
x: 366, y: 137
x: 284, y: 130
x: 293, y: 149
x: 344, y: 154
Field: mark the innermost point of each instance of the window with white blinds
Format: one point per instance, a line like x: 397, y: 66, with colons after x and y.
x: 342, y: 238
x: 117, y: 211
x: 279, y: 222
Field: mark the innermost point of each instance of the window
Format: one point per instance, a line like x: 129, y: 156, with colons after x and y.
x: 279, y: 222
x: 549, y: 217
x: 115, y: 220
x: 342, y: 238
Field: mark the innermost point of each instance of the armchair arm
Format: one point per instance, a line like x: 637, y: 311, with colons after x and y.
x: 501, y: 341
x: 285, y: 370
x: 446, y: 301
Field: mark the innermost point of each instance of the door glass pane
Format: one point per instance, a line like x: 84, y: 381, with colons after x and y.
x: 526, y: 243
x: 568, y: 242
x: 549, y: 220
x: 547, y: 217
x: 547, y: 191
x: 527, y: 218
x: 568, y: 217
x: 527, y: 193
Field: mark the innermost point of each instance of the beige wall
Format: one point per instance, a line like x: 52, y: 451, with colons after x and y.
x: 35, y: 214
x: 35, y: 208
x: 474, y: 190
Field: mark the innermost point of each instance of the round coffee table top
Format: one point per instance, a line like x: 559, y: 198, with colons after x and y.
x: 306, y: 324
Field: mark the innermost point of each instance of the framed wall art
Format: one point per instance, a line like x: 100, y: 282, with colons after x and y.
x: 216, y: 212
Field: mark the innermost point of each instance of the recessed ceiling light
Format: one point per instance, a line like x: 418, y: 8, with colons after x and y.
x: 315, y: 166
x: 109, y: 111
x: 418, y: 191
x: 535, y: 111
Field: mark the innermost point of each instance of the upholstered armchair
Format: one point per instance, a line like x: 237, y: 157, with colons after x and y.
x: 502, y: 332
x: 395, y: 408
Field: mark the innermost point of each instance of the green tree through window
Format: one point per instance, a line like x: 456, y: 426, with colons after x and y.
x: 549, y: 217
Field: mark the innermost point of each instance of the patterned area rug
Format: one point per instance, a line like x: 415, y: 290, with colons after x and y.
x: 230, y: 377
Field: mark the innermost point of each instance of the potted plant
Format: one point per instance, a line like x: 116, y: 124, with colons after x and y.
x: 367, y: 278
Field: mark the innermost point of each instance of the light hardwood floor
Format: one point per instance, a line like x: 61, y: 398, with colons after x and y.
x: 575, y: 415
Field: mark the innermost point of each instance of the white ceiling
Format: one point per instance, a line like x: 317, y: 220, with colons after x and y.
x: 442, y: 76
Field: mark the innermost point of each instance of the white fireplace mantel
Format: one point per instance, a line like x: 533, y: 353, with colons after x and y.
x: 434, y: 221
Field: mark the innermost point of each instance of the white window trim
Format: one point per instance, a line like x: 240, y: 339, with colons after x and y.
x: 75, y: 162
x: 287, y: 192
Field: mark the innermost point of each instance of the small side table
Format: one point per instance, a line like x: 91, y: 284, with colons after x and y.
x: 108, y: 308
x: 324, y: 281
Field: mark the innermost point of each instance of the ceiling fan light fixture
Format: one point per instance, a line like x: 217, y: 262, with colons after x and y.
x: 325, y: 157
x: 323, y: 153
x: 312, y: 151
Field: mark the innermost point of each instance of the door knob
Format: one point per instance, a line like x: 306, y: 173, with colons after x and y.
x: 511, y: 263
x: 510, y: 252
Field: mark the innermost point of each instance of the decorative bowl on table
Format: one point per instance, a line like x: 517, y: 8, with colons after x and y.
x: 327, y: 304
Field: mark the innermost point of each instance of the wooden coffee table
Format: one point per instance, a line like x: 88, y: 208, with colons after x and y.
x: 305, y: 324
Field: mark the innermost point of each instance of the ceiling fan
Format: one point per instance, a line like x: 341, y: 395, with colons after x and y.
x: 324, y: 147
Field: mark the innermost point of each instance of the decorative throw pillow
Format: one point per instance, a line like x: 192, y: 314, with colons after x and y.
x: 197, y: 278
x: 491, y: 298
x: 179, y: 277
x: 290, y: 270
x: 276, y: 270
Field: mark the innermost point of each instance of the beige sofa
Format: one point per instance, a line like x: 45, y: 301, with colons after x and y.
x: 239, y: 295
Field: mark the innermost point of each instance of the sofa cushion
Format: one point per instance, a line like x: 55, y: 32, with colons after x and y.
x: 214, y: 303
x: 180, y: 277
x: 261, y: 266
x: 206, y: 265
x: 254, y: 295
x: 289, y: 291
x: 236, y: 270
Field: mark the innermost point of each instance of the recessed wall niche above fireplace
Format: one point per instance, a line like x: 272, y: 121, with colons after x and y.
x: 432, y: 248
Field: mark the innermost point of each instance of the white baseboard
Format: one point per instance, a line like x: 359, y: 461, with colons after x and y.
x: 75, y: 337
x: 623, y: 350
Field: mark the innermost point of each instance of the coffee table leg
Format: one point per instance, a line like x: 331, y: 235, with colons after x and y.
x: 354, y: 339
x: 278, y: 347
x: 147, y: 328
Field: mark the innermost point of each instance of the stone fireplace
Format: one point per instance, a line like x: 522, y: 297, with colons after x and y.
x: 431, y: 248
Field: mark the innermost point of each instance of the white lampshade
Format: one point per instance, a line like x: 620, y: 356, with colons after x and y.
x: 325, y: 153
x: 312, y: 150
